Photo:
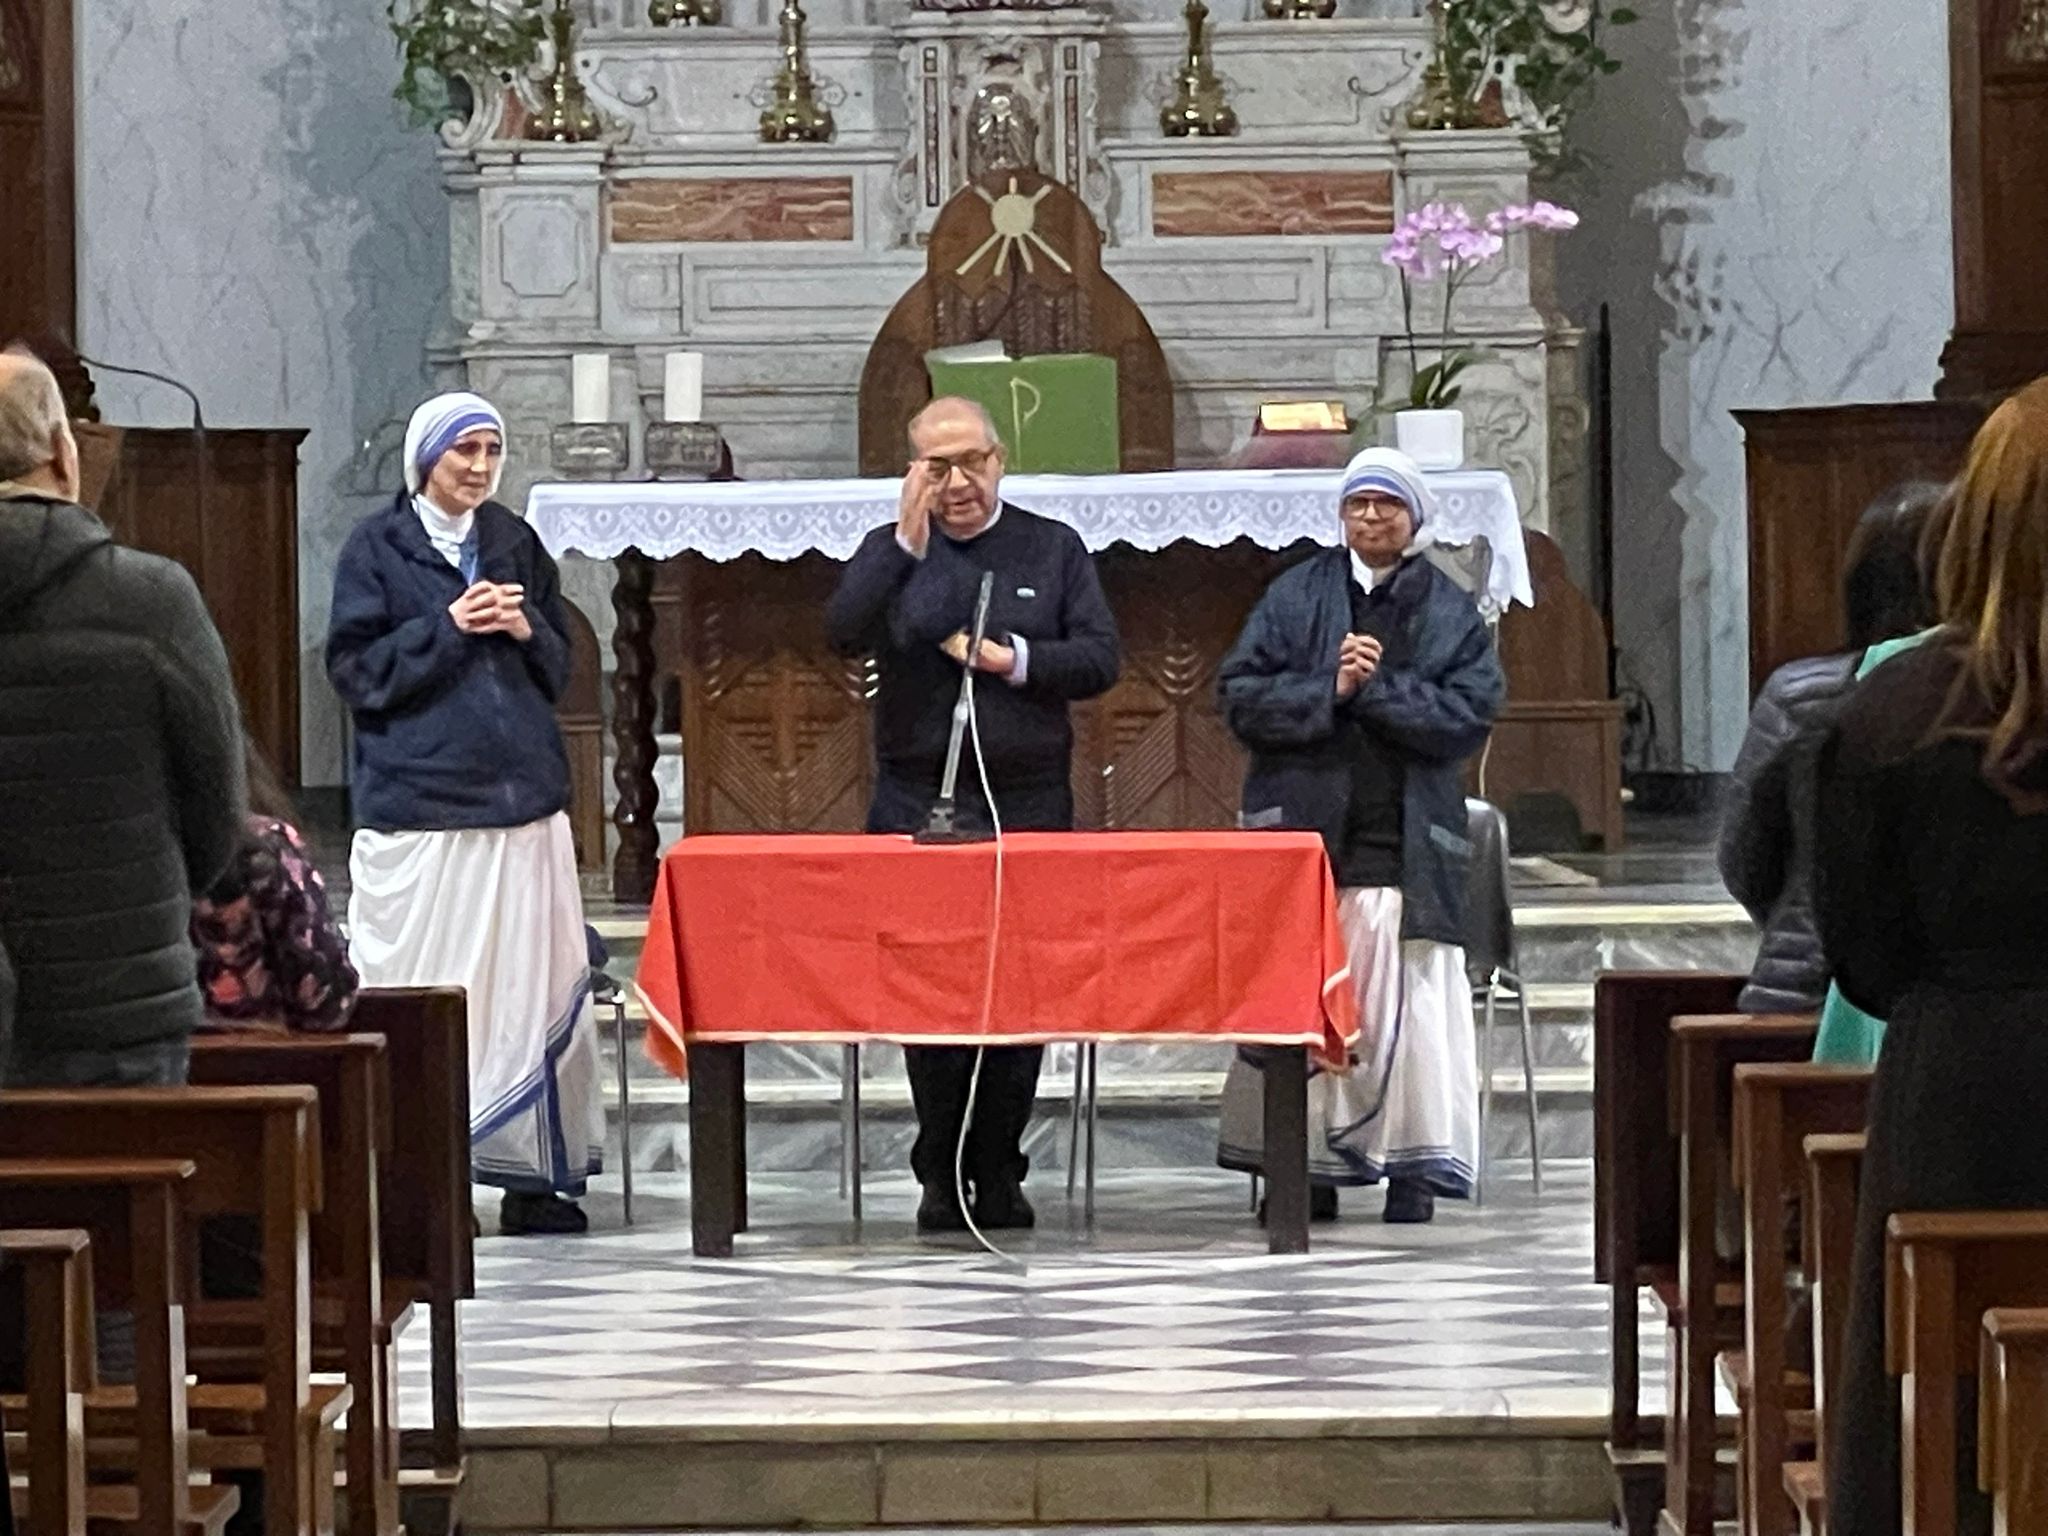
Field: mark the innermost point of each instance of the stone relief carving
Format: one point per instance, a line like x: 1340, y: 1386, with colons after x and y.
x: 1384, y: 82
x: 1002, y: 134
x: 2029, y: 41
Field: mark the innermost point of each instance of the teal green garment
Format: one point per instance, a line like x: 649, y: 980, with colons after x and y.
x: 1849, y: 1036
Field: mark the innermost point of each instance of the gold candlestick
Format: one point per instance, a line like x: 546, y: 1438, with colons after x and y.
x: 567, y: 116
x: 1436, y: 104
x: 795, y: 115
x: 1198, y: 109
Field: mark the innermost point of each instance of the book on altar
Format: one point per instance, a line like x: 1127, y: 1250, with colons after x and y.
x: 1057, y: 413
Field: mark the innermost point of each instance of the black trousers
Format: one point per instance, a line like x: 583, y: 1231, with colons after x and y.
x: 941, y: 1075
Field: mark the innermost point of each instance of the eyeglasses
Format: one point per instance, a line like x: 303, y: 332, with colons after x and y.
x: 1361, y: 509
x: 970, y: 464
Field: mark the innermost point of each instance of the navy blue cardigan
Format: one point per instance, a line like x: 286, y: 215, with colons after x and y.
x: 1279, y: 696
x: 452, y: 730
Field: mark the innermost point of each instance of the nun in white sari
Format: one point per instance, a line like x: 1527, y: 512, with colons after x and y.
x: 449, y: 646
x: 1363, y: 681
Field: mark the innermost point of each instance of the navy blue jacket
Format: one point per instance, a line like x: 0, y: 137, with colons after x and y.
x: 452, y: 730
x: 1434, y: 698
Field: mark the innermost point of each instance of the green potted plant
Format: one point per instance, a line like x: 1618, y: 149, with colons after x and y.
x: 449, y: 49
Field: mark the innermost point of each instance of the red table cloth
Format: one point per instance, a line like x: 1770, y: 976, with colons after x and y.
x: 1225, y: 936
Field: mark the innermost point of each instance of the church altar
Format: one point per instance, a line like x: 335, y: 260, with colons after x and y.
x: 775, y: 727
x: 1256, y: 259
x: 1274, y: 509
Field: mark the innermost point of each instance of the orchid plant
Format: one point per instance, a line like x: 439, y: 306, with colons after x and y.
x: 1443, y: 241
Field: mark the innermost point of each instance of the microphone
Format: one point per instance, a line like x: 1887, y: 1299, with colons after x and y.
x: 943, y: 826
x: 202, y: 476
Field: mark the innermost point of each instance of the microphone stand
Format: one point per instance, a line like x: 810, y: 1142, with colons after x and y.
x: 943, y: 825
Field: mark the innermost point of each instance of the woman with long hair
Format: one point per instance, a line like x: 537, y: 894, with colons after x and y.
x: 1931, y: 880
x: 270, y: 952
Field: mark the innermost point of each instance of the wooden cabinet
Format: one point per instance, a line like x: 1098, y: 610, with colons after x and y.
x: 225, y: 505
x: 1811, y: 474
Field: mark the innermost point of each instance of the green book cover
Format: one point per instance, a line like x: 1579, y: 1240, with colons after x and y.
x: 1057, y: 414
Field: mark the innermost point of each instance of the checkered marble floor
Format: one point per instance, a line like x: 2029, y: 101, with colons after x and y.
x: 1167, y: 1307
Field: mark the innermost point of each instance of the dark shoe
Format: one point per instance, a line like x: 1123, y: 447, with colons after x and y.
x: 1002, y: 1207
x: 939, y: 1211
x: 525, y: 1215
x: 1322, y: 1203
x: 1409, y: 1203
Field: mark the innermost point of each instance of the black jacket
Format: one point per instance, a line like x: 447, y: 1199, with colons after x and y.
x: 452, y: 730
x: 900, y: 609
x: 1434, y: 698
x: 121, y: 787
x: 1767, y: 828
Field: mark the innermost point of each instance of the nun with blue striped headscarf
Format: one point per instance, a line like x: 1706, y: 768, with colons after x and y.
x: 449, y: 645
x: 1363, y: 682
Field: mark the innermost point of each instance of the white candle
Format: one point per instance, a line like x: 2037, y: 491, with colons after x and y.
x: 590, y: 388
x: 682, y: 395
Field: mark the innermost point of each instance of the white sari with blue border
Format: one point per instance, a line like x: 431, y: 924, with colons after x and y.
x: 499, y: 913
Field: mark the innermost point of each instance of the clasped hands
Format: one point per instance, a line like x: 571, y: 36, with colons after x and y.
x: 492, y: 608
x: 999, y: 659
x: 1357, y: 660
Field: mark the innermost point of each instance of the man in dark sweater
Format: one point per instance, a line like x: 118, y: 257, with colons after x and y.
x: 908, y: 599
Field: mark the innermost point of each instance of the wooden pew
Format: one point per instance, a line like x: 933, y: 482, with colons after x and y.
x: 254, y: 1153
x: 1705, y: 1051
x: 355, y: 1323
x: 1943, y: 1271
x: 135, y: 1212
x: 1777, y: 1107
x: 2012, y: 1459
x: 1827, y: 1228
x: 1635, y: 1202
x: 428, y: 1228
x: 55, y: 1268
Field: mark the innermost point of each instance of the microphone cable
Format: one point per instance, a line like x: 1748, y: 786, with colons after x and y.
x: 988, y: 991
x: 202, y: 466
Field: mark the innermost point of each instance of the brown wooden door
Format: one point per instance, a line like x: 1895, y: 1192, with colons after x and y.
x: 38, y: 287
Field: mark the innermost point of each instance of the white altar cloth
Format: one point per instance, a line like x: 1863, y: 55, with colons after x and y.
x: 783, y: 519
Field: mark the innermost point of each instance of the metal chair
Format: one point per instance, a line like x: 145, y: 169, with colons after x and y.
x: 1083, y: 1109
x: 606, y: 993
x: 1492, y: 966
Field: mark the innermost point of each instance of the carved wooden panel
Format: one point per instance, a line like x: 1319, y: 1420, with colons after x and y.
x: 38, y: 288
x: 775, y: 727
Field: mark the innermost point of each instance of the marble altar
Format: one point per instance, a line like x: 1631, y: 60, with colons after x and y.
x: 1256, y: 260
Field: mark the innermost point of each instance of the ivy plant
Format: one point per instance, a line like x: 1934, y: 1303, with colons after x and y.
x: 444, y: 43
x: 1551, y: 48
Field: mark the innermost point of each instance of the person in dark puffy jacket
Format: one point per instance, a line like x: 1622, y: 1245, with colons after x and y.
x: 120, y: 771
x: 1767, y: 832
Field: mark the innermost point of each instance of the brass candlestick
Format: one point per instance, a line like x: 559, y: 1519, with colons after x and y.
x: 1436, y: 104
x: 1198, y: 109
x: 1300, y: 10
x: 685, y: 13
x: 567, y: 116
x: 795, y: 115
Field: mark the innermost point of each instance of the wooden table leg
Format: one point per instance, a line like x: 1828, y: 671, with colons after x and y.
x: 717, y: 1074
x: 1286, y: 1151
x: 635, y: 864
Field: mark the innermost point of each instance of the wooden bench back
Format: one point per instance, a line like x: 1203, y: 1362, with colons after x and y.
x: 2013, y: 1420
x: 428, y: 1237
x: 1944, y: 1270
x: 56, y: 1274
x: 1635, y: 1158
x: 254, y: 1153
x: 347, y: 1075
x: 1777, y: 1106
x: 1834, y: 1176
x: 133, y: 1210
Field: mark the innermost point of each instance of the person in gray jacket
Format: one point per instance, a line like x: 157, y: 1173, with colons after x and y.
x: 121, y: 786
x: 1767, y: 829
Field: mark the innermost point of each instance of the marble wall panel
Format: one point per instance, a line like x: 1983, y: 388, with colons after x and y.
x: 1258, y: 201
x: 732, y: 208
x: 255, y: 219
x: 1767, y: 220
x: 1264, y: 293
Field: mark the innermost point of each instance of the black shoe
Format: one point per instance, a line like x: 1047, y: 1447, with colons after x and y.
x: 939, y: 1211
x: 525, y: 1215
x: 1322, y: 1203
x: 1002, y: 1207
x: 1409, y: 1203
